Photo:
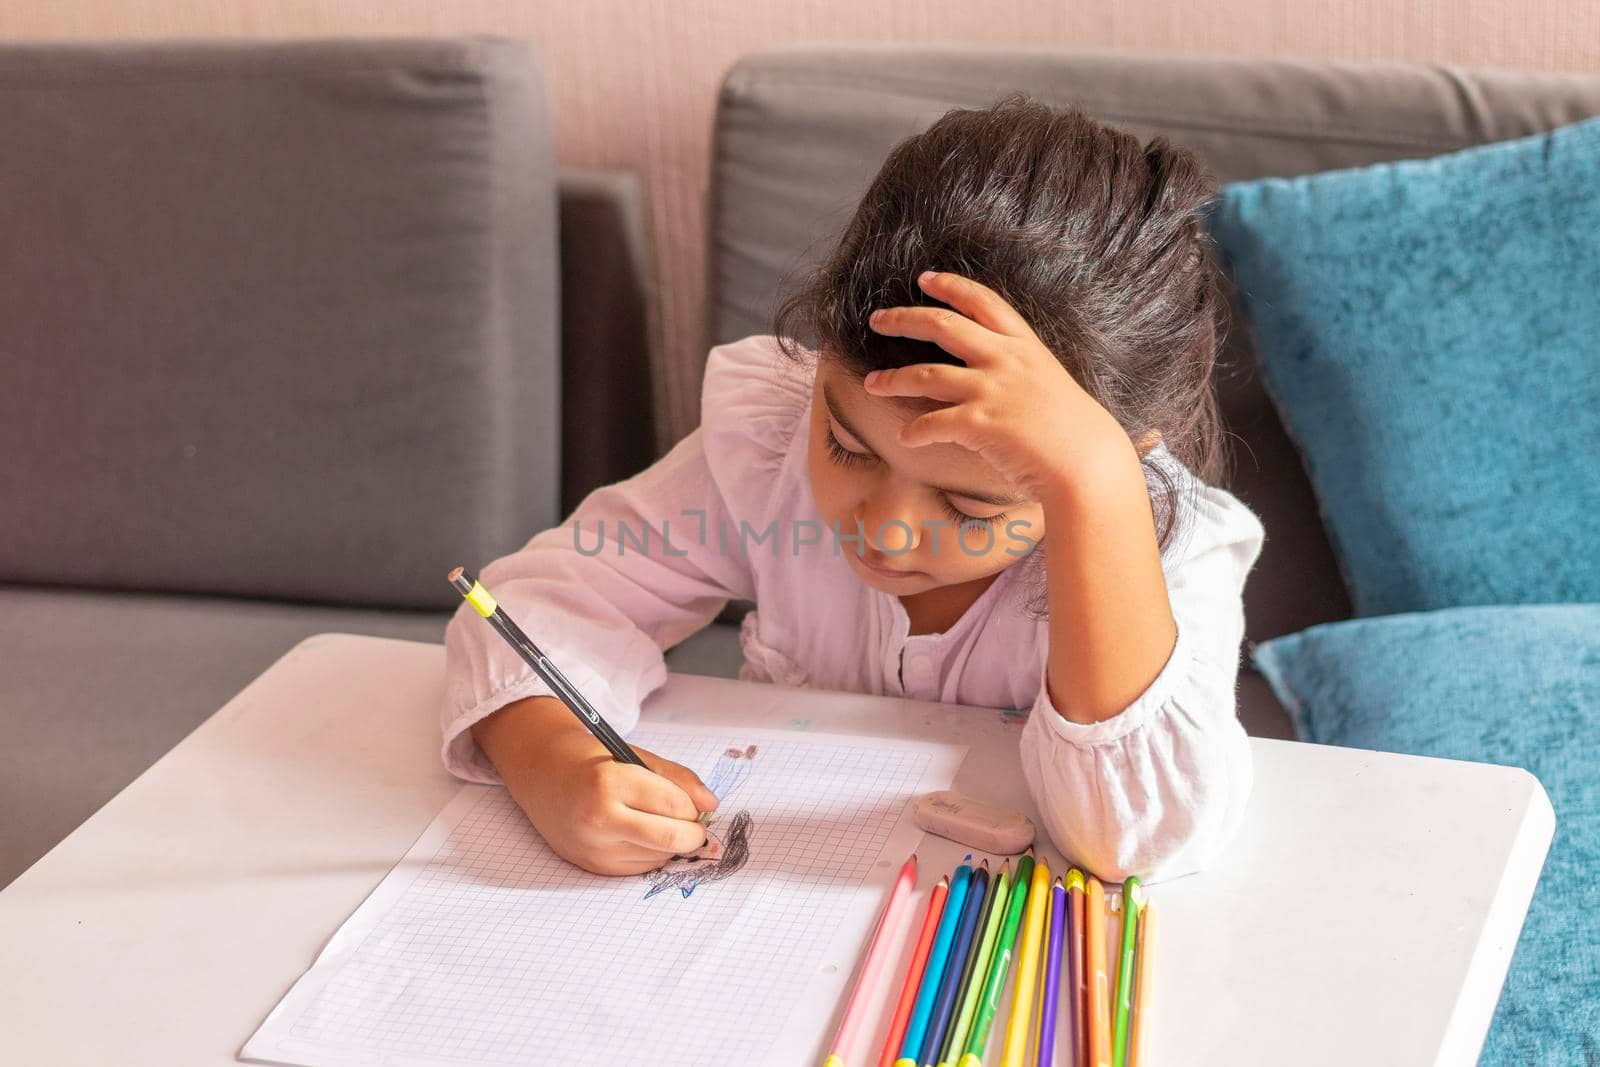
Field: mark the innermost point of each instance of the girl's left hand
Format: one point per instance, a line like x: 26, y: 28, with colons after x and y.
x: 1013, y: 403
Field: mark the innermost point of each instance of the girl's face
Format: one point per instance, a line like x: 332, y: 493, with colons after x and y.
x: 933, y: 516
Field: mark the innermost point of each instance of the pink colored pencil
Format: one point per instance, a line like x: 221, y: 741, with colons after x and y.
x: 877, y: 956
x: 919, y: 959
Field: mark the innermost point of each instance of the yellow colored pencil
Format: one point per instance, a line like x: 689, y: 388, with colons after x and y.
x: 1113, y: 965
x: 1016, y: 1046
x: 1094, y: 914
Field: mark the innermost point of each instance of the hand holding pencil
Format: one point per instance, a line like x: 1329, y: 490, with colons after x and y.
x: 597, y: 801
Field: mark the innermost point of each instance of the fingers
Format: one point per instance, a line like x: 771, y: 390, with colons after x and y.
x: 950, y: 330
x: 946, y: 424
x: 938, y: 381
x: 656, y: 794
x: 977, y: 300
x: 685, y: 779
x: 657, y: 833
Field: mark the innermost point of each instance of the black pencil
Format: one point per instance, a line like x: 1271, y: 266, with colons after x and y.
x: 481, y: 600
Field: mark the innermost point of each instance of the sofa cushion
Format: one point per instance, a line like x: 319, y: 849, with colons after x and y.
x: 279, y: 319
x: 98, y: 686
x: 1430, y: 333
x: 1515, y: 685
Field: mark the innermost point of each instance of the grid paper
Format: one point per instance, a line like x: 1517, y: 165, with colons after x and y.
x: 482, y: 946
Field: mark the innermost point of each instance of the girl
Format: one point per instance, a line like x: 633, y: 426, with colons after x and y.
x: 985, y: 482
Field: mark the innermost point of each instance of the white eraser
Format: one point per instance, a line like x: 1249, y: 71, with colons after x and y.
x: 985, y: 827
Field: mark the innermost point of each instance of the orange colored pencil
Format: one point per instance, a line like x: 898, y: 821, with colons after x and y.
x: 1078, y: 976
x: 1141, y: 986
x: 1094, y: 942
x: 919, y: 959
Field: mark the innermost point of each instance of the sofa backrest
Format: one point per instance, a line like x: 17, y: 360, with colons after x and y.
x: 801, y: 130
x: 280, y: 319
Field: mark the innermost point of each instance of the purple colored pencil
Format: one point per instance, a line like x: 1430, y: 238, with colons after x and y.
x: 1052, y: 975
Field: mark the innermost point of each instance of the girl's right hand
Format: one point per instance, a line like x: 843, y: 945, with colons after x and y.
x: 605, y: 816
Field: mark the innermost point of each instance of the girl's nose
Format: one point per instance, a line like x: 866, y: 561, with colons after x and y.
x: 890, y: 525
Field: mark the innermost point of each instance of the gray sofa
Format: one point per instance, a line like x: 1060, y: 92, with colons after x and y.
x: 280, y: 344
x: 293, y: 327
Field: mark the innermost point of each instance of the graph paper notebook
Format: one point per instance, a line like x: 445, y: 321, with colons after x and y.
x: 483, y: 947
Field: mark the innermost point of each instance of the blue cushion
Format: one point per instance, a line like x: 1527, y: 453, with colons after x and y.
x: 1517, y: 685
x: 1429, y: 331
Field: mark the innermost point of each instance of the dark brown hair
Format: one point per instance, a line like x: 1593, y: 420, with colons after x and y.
x: 1098, y: 241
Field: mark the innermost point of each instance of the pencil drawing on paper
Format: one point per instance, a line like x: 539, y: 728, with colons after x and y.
x: 686, y: 875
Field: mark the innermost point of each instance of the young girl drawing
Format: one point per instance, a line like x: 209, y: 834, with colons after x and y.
x: 987, y: 485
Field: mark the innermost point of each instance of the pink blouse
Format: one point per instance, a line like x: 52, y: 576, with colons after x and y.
x: 1156, y: 790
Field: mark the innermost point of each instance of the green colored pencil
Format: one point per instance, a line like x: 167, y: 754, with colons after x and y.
x: 996, y: 981
x: 1124, y: 998
x: 956, y: 1039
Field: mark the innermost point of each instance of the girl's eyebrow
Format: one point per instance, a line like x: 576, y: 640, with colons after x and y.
x: 1001, y: 500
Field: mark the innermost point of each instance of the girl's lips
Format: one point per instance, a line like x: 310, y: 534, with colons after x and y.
x: 884, y: 571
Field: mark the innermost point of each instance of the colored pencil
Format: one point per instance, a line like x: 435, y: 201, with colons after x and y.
x: 1036, y: 1015
x: 978, y: 1040
x: 1094, y: 947
x: 1113, y: 958
x: 1123, y: 1003
x: 1016, y: 1044
x: 1078, y: 983
x: 1141, y: 986
x: 966, y: 936
x: 878, y: 951
x: 919, y: 957
x: 928, y: 989
x: 1051, y: 984
x: 972, y: 984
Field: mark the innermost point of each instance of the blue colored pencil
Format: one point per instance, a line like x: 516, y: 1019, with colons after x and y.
x: 944, y: 1007
x: 922, y: 1013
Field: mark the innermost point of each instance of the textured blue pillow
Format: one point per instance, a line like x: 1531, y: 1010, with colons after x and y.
x: 1513, y: 685
x: 1429, y: 331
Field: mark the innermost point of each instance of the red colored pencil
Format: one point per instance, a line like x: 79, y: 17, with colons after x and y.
x: 919, y: 959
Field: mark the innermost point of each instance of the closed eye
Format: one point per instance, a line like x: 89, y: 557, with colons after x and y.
x: 842, y: 455
x: 847, y: 458
x: 960, y: 516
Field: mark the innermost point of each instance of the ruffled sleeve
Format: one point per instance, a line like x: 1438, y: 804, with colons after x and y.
x: 1160, y: 788
x: 638, y: 566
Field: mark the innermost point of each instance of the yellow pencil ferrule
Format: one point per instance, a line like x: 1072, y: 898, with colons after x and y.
x: 969, y: 1060
x: 833, y: 1060
x: 905, y: 1061
x: 1074, y: 879
x: 481, y: 600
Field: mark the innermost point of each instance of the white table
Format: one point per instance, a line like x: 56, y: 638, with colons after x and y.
x: 1366, y: 912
